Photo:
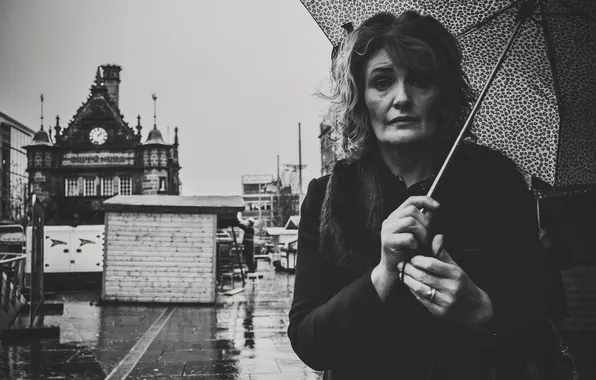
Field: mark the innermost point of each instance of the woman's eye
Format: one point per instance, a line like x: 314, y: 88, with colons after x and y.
x: 383, y: 84
x: 420, y: 82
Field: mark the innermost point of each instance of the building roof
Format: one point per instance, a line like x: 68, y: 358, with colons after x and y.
x: 293, y: 222
x: 155, y: 138
x: 276, y: 231
x: 98, y: 106
x: 4, y: 118
x: 41, y: 137
x: 207, y: 204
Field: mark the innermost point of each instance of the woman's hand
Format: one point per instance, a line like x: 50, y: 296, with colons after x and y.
x: 455, y: 296
x: 404, y: 231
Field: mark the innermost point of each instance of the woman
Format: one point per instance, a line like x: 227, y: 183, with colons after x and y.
x: 468, y: 256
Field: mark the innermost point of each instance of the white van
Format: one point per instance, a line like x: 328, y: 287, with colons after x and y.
x: 69, y: 249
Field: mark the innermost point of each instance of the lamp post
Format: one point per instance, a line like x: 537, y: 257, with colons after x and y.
x: 259, y: 203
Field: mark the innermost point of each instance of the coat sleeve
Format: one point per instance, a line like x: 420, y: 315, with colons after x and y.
x: 327, y: 328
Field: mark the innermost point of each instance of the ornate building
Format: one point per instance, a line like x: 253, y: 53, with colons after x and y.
x: 97, y: 156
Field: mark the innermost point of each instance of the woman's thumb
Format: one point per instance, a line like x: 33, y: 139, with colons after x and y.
x: 437, y: 244
x: 439, y: 251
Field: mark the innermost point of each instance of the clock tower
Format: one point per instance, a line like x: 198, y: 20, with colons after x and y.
x: 98, y: 155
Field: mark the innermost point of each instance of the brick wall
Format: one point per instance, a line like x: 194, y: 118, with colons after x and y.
x: 159, y: 257
x: 151, y: 180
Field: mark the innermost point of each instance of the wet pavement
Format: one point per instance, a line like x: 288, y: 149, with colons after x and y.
x: 241, y: 337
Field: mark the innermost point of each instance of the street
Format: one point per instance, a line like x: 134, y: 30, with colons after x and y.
x: 242, y: 337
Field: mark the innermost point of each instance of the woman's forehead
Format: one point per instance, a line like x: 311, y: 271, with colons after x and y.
x: 381, y: 61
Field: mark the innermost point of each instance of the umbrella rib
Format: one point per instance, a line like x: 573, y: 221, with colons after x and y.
x: 553, y: 66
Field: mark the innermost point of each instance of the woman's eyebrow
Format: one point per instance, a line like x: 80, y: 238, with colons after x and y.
x: 381, y: 69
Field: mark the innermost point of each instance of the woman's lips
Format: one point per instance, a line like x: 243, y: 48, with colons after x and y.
x: 403, y: 119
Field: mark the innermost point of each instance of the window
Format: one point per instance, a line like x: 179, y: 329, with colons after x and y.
x: 125, y: 186
x: 89, y: 189
x: 71, y: 187
x: 107, y: 186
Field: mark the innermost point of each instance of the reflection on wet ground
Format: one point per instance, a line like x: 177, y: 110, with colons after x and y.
x: 242, y: 337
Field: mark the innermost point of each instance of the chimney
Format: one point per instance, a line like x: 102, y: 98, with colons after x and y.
x: 111, y: 79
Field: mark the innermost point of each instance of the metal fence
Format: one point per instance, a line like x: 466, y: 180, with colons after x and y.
x: 12, y: 270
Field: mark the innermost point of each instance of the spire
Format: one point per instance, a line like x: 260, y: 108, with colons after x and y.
x: 98, y: 84
x: 57, y: 129
x: 154, y: 110
x: 176, y: 136
x: 98, y: 78
x: 42, y: 137
x: 41, y: 99
x: 139, y: 125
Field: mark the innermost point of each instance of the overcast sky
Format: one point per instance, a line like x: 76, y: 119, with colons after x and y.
x: 236, y: 76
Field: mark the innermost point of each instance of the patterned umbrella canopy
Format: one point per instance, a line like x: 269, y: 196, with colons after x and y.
x: 540, y: 110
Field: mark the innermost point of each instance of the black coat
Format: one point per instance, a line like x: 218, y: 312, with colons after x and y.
x: 337, y: 321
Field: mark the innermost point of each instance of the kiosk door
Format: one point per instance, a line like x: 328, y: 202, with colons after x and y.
x: 57, y: 255
x: 86, y: 242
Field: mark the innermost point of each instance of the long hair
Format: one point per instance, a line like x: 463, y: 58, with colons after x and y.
x: 418, y: 43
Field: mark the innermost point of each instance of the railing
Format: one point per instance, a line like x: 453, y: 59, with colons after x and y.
x: 12, y: 270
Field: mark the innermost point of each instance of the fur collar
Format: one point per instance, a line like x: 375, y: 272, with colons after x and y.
x: 351, y: 216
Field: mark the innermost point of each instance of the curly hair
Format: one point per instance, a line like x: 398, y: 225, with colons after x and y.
x: 418, y: 43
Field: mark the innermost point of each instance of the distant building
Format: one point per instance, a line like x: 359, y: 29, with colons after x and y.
x: 285, y: 204
x: 329, y: 152
x: 267, y: 201
x: 97, y: 156
x: 257, y: 192
x: 14, y: 181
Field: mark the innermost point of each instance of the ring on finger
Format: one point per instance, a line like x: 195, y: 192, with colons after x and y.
x: 430, y: 293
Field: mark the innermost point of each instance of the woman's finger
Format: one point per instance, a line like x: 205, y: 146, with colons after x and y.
x: 412, y: 207
x: 433, y: 266
x: 435, y: 309
x: 420, y: 202
x: 405, y: 225
x: 408, y: 212
x: 400, y: 241
x: 422, y: 290
x: 419, y: 275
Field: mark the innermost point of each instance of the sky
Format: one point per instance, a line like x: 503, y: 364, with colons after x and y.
x: 235, y: 76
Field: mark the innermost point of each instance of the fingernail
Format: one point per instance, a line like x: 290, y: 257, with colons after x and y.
x: 400, y: 266
x: 435, y: 203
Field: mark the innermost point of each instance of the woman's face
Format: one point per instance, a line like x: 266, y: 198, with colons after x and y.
x: 403, y: 108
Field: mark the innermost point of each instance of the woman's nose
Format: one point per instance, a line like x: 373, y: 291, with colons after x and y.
x: 401, y: 96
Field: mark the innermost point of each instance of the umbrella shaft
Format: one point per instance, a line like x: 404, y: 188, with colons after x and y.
x: 476, y: 106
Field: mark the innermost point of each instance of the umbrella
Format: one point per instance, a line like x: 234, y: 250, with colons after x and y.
x: 535, y: 64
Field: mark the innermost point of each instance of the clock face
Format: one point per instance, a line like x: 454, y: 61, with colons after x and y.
x: 98, y: 136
